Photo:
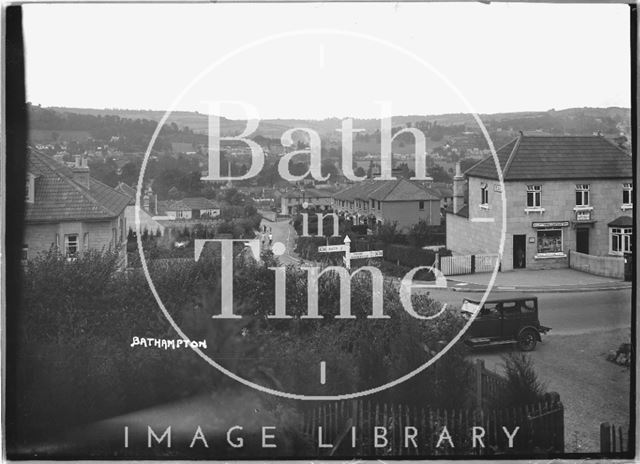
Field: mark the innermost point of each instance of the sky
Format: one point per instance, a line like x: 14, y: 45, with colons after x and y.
x: 308, y: 60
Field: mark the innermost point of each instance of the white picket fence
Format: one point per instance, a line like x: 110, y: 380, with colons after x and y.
x: 464, y: 264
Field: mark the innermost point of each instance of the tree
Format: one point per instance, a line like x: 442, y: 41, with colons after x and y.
x: 360, y: 172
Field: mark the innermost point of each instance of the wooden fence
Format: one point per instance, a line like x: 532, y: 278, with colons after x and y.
x: 454, y: 265
x: 367, y: 428
x: 467, y: 264
x: 489, y: 385
x: 614, y: 439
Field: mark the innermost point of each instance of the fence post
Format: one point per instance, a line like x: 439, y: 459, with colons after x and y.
x: 436, y: 261
x: 605, y: 436
x: 479, y: 369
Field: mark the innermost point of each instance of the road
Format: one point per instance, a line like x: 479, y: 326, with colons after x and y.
x: 283, y: 233
x: 566, y: 313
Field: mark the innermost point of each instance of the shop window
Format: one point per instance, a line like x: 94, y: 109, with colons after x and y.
x: 549, y: 241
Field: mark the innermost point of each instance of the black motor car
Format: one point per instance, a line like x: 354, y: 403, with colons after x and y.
x: 504, y: 318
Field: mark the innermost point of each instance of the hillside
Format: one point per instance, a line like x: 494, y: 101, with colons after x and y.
x: 571, y: 120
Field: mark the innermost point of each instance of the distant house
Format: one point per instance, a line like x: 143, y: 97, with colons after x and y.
x: 183, y: 147
x: 189, y: 208
x: 375, y: 201
x: 293, y: 201
x: 68, y: 210
x: 148, y: 209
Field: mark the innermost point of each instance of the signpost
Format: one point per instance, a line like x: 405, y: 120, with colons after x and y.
x: 348, y: 256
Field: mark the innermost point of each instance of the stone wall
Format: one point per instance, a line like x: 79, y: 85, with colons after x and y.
x: 607, y: 266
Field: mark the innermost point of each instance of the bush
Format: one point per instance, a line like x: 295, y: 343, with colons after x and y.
x: 75, y: 363
x: 523, y: 386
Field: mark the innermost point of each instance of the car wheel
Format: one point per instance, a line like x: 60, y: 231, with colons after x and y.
x: 527, y: 340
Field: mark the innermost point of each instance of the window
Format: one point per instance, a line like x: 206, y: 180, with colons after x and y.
x: 373, y: 204
x: 30, y: 189
x: 533, y: 196
x: 528, y: 306
x: 511, y: 308
x: 25, y: 253
x: 582, y: 194
x: 378, y: 204
x: 484, y: 194
x: 421, y: 205
x: 71, y: 245
x: 490, y: 309
x: 549, y: 241
x: 627, y: 194
x: 620, y: 240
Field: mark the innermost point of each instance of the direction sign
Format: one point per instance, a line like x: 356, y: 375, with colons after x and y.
x: 367, y: 254
x: 333, y: 248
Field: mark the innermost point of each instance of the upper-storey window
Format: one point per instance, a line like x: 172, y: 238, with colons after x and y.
x: 534, y: 193
x: 627, y: 194
x: 484, y: 194
x: 582, y: 194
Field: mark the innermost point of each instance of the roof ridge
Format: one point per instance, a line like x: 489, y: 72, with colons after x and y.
x: 84, y: 192
x: 512, y: 155
x: 490, y: 156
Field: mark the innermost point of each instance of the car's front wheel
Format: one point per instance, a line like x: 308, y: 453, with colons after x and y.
x: 527, y: 340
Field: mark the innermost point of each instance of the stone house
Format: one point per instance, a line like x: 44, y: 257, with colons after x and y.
x: 562, y: 193
x: 188, y: 208
x: 291, y: 202
x: 68, y: 210
x: 148, y: 210
x: 374, y: 202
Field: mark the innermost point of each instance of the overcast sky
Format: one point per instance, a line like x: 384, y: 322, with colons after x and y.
x: 499, y: 57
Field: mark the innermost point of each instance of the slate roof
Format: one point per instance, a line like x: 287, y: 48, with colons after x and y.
x: 186, y: 204
x: 462, y: 212
x: 308, y: 193
x: 60, y: 198
x: 387, y: 190
x: 128, y: 191
x: 199, y: 203
x: 535, y: 157
x: 622, y: 221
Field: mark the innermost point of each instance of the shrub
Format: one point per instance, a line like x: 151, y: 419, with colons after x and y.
x: 523, y: 386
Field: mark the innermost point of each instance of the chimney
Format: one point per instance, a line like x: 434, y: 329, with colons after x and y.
x: 81, y: 171
x: 458, y: 189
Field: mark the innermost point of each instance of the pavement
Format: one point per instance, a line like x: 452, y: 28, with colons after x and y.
x: 537, y: 281
x: 526, y: 280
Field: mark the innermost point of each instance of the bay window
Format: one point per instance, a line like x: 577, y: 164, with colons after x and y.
x: 620, y: 240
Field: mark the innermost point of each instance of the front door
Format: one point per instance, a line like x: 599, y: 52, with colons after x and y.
x: 582, y: 240
x: 519, y: 251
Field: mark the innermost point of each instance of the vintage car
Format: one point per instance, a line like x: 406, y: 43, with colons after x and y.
x: 504, y: 318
